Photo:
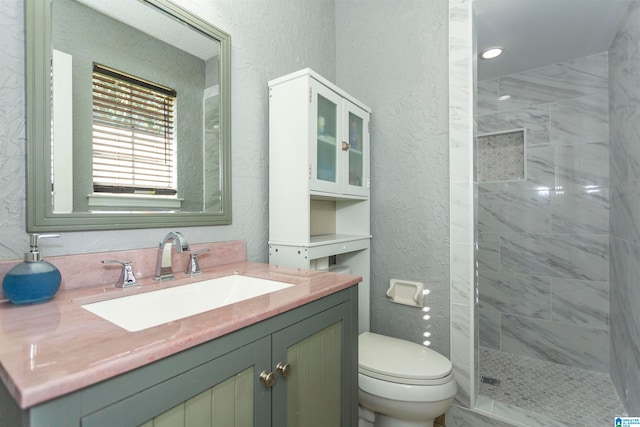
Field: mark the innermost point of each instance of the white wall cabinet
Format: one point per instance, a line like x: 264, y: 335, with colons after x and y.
x: 319, y: 178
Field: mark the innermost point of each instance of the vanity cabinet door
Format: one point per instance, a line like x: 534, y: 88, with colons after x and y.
x: 225, y: 391
x: 314, y: 373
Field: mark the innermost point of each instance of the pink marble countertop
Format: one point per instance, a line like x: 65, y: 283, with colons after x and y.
x: 51, y: 349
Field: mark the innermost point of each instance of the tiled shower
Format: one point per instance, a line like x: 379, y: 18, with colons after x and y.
x: 558, y: 260
x: 543, y: 241
x: 543, y: 253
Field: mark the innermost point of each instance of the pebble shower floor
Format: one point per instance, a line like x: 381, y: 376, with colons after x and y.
x: 577, y: 396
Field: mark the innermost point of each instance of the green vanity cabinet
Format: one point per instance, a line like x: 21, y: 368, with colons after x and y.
x: 310, y: 351
x: 219, y: 392
x: 310, y: 394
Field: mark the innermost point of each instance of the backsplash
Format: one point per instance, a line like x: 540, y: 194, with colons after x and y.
x: 85, y: 270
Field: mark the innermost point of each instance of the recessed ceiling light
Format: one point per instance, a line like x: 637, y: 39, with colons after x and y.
x: 491, y: 52
x: 504, y: 97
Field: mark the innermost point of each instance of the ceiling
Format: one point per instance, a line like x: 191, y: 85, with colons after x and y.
x: 151, y: 21
x: 535, y: 33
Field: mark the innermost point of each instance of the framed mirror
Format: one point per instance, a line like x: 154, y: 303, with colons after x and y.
x: 128, y: 116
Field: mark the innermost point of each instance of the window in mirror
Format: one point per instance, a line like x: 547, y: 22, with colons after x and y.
x: 133, y: 135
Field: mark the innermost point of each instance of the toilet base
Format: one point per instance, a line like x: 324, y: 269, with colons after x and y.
x: 403, y: 414
x: 364, y: 423
x: 384, y: 421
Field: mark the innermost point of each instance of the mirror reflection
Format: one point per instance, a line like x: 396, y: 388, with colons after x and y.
x: 138, y: 106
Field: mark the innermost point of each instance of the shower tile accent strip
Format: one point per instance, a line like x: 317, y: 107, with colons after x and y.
x: 500, y: 157
x: 462, y: 199
x: 569, y: 395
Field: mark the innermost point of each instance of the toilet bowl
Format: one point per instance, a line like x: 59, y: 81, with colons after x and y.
x: 402, y: 384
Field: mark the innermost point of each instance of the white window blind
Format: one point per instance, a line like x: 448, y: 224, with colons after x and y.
x: 133, y: 134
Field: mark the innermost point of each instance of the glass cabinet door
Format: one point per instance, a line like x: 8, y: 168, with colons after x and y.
x: 326, y: 149
x: 358, y: 144
x: 340, y: 144
x: 326, y: 115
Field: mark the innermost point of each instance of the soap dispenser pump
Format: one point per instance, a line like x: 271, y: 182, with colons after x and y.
x: 33, y: 280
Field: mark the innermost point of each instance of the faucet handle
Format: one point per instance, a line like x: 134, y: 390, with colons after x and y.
x: 127, y: 278
x: 193, y: 267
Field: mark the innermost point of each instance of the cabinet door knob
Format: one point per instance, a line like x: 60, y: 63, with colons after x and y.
x: 268, y: 378
x: 345, y: 146
x: 283, y: 369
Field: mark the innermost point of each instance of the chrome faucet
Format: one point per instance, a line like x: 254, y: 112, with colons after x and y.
x: 164, y: 268
x: 194, y: 268
x: 127, y: 277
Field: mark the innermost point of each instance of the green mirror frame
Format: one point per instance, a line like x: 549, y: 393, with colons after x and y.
x: 40, y: 216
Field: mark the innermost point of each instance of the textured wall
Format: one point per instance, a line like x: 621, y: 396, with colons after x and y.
x: 12, y: 131
x: 544, y: 290
x: 624, y: 266
x: 269, y: 39
x: 392, y: 55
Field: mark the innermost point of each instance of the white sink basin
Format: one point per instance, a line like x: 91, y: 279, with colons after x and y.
x: 142, y: 311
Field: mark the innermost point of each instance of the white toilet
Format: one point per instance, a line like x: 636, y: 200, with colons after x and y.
x: 401, y: 384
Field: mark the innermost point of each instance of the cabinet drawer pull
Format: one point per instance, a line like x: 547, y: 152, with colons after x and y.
x: 268, y: 378
x: 283, y: 369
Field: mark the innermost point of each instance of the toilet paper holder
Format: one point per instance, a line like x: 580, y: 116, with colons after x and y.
x: 406, y: 292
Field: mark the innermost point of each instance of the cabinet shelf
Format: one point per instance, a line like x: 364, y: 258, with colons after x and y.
x: 331, y: 141
x: 321, y: 195
x: 325, y: 239
x: 328, y: 239
x: 326, y: 139
x: 300, y: 255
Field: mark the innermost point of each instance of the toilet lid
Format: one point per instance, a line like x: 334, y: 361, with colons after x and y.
x: 399, y: 360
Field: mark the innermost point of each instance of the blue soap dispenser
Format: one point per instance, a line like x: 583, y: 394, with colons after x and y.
x: 33, y: 280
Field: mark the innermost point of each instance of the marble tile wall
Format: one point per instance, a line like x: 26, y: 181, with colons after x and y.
x: 624, y: 267
x: 544, y: 242
x: 462, y: 218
